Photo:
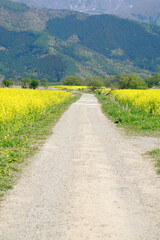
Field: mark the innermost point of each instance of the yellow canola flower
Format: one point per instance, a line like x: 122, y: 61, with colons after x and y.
x: 20, y: 105
x: 72, y: 88
x: 146, y: 101
x: 103, y: 90
x: 75, y: 88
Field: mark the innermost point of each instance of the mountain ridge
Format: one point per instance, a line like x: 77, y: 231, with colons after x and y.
x: 41, y: 43
x: 103, y: 6
x: 145, y: 11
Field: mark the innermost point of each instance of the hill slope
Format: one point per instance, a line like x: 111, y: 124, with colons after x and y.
x: 142, y: 10
x: 96, y: 6
x: 145, y: 11
x: 45, y: 43
x: 113, y: 37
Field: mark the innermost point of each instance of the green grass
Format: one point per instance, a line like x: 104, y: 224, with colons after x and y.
x: 134, y: 122
x: 52, y: 84
x: 24, y: 142
x: 156, y: 155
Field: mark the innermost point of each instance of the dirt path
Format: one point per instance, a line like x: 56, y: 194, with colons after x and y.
x: 88, y: 182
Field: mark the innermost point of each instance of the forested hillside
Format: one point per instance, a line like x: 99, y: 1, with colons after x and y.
x: 53, y: 44
x: 21, y: 54
x: 114, y: 37
x: 13, y: 6
x: 141, y: 10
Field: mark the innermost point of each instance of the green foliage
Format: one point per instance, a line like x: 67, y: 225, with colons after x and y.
x: 22, y: 143
x: 26, y: 82
x: 113, y: 37
x: 34, y: 84
x: 129, y: 118
x: 156, y: 154
x: 7, y: 83
x: 42, y: 41
x: 25, y: 59
x: 109, y: 81
x: 15, y: 81
x: 95, y: 45
x: 126, y: 81
x: 95, y: 82
x: 16, y: 7
x: 44, y: 82
x: 54, y: 80
x: 50, y: 66
x: 130, y: 81
x: 153, y: 81
x: 71, y: 81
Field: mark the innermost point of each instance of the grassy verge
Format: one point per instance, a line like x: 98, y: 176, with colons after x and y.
x: 134, y: 122
x: 24, y: 142
x: 156, y: 155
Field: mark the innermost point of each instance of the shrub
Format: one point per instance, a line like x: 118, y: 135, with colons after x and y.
x: 34, y: 84
x: 130, y: 81
x: 26, y: 82
x: 71, y: 81
x: 7, y: 83
x: 95, y: 82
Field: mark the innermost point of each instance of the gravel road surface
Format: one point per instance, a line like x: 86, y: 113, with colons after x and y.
x: 88, y: 182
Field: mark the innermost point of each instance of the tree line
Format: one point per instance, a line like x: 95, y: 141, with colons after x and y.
x: 133, y: 81
x: 121, y: 81
x: 26, y: 83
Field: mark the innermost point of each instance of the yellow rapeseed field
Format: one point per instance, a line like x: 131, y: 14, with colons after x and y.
x: 25, y: 118
x: 145, y: 101
x: 72, y: 87
x: 20, y: 105
x: 102, y: 90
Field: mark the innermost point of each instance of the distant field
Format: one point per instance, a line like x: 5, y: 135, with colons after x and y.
x: 71, y: 87
x: 51, y: 84
x: 101, y: 90
x: 26, y: 117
